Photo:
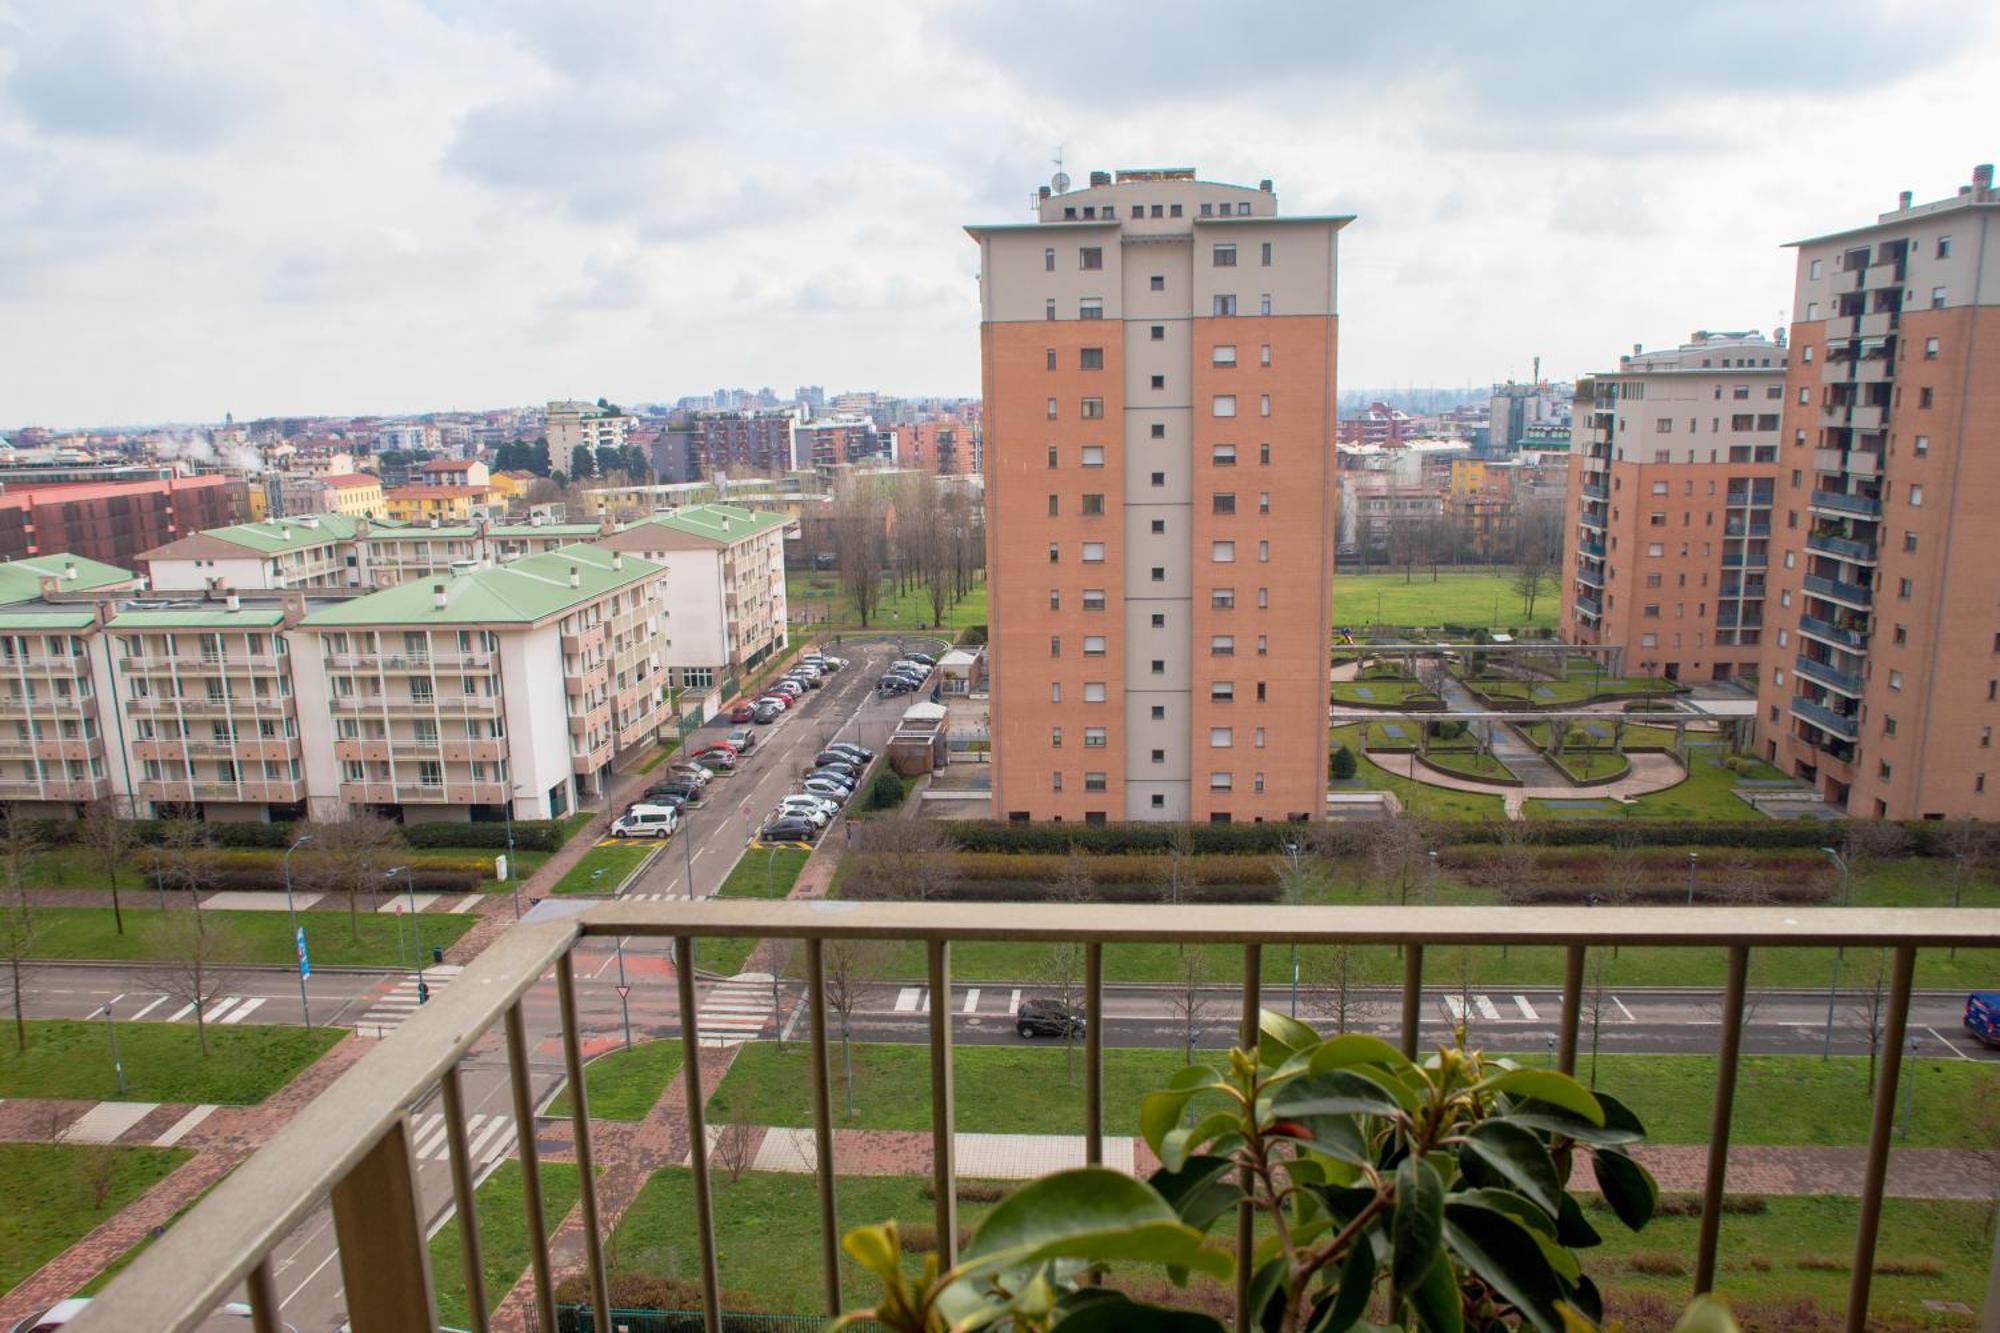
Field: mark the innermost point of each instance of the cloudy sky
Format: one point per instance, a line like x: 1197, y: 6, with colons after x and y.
x: 393, y: 205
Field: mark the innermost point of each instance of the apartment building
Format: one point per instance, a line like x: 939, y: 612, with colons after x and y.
x: 1673, y: 468
x: 438, y: 504
x: 1884, y: 684
x: 825, y: 443
x: 113, y: 521
x: 355, y: 494
x: 573, y: 425
x: 1158, y: 359
x: 727, y: 568
x: 736, y: 442
x: 52, y: 739
x: 946, y: 447
x: 309, y: 551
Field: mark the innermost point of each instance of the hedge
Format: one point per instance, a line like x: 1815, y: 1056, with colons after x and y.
x: 274, y: 862
x: 426, y: 881
x: 1671, y: 894
x: 530, y: 835
x: 1114, y: 868
x: 864, y: 887
x: 1220, y: 839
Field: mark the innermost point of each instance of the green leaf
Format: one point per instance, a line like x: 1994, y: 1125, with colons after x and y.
x: 1434, y: 1299
x: 1160, y: 1112
x: 1335, y: 1136
x: 1280, y: 1037
x: 1356, y: 1048
x: 1518, y: 1158
x: 1201, y: 1191
x: 1357, y: 1282
x: 1416, y: 1221
x: 1101, y: 1310
x: 1573, y: 1228
x: 1336, y: 1092
x: 1344, y: 1202
x: 1091, y: 1213
x: 1546, y: 1085
x: 876, y: 1249
x: 1706, y: 1314
x: 1516, y: 1206
x: 1506, y: 1258
x: 1182, y: 1142
x: 1617, y: 1115
x: 1628, y: 1187
x: 1584, y: 1298
x: 1267, y: 1294
x: 1554, y: 1120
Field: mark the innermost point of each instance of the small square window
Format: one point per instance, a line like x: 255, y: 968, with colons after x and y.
x: 1225, y: 255
x: 1159, y: 527
x: 1159, y: 381
x: 1159, y: 479
x: 1159, y: 573
x: 1159, y: 712
x: 1222, y: 553
x: 1090, y: 358
x: 1159, y: 282
x: 1159, y: 620
x: 1223, y: 354
x: 1090, y: 257
x: 1092, y: 409
x: 1159, y: 801
x: 1159, y: 333
x: 1093, y: 455
x: 1159, y: 430
x: 1224, y: 405
x: 1223, y: 455
x: 1093, y: 553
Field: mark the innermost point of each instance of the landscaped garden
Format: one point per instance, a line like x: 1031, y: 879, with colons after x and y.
x: 624, y: 1084
x: 53, y: 1195
x: 503, y: 1238
x: 163, y: 1062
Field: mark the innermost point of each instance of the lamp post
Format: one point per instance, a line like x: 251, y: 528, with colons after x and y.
x: 409, y: 875
x: 1291, y: 896
x: 1431, y: 887
x: 297, y: 933
x: 513, y: 873
x: 1909, y: 1091
x: 777, y: 1008
x: 1693, y: 858
x: 117, y: 1065
x: 1833, y: 987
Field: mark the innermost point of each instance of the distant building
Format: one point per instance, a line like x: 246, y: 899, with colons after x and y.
x: 944, y: 446
x: 824, y: 443
x: 726, y: 566
x: 574, y: 425
x: 1516, y: 408
x: 1378, y: 423
x: 735, y: 442
x: 436, y: 504
x: 114, y: 521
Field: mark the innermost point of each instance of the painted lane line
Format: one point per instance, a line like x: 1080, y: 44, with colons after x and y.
x: 908, y: 998
x: 243, y: 1011
x: 492, y: 1141
x: 1455, y: 1007
x: 1623, y: 1010
x: 1527, y: 1010
x: 1014, y: 1001
x: 1947, y: 1044
x: 147, y: 1010
x: 220, y: 1008
x: 180, y: 1013
x: 972, y: 1000
x: 1487, y: 1010
x: 178, y: 1130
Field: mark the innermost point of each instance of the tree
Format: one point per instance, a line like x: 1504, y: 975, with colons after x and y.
x: 19, y: 845
x: 1399, y: 854
x: 1186, y: 1001
x: 1336, y: 994
x: 1866, y: 1013
x: 348, y: 856
x: 1968, y: 843
x: 1343, y: 766
x: 17, y: 940
x: 1596, y: 995
x: 189, y: 962
x: 848, y: 968
x: 582, y: 462
x: 735, y: 1140
x: 858, y: 526
x: 109, y: 839
x: 910, y: 859
x: 184, y: 859
x: 1177, y: 872
x: 1528, y: 582
x: 1060, y: 977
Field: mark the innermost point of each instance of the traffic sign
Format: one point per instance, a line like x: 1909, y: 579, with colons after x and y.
x: 622, y: 989
x: 305, y: 962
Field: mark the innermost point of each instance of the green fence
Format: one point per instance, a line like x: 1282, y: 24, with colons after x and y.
x: 581, y: 1319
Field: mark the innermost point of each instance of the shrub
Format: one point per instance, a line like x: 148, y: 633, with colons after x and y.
x: 861, y: 886
x: 1343, y: 765
x: 921, y: 1238
x: 530, y: 835
x: 969, y: 1191
x: 997, y: 836
x: 1657, y: 1263
x: 973, y: 636
x: 229, y: 877
x: 273, y: 862
x: 886, y: 791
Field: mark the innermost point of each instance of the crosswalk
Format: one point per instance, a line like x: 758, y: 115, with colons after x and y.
x: 917, y: 1000
x: 487, y: 1137
x: 391, y: 1009
x: 736, y: 1010
x: 227, y: 1009
x: 1506, y: 1009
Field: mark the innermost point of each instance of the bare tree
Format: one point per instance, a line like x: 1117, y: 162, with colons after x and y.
x: 859, y: 523
x: 1866, y: 1015
x: 1968, y: 843
x: 848, y: 968
x: 1189, y: 1005
x: 1399, y: 855
x: 17, y: 939
x: 1060, y: 977
x: 1528, y: 582
x: 97, y: 1172
x: 1865, y: 841
x: 190, y: 962
x: 1177, y: 873
x: 732, y: 1149
x: 185, y: 860
x: 348, y: 856
x: 1596, y: 995
x: 20, y: 843
x: 109, y: 839
x: 1336, y: 995
x: 913, y: 860
x: 1462, y: 972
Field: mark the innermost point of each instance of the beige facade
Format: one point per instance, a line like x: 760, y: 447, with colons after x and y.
x: 1884, y: 691
x: 1673, y: 465
x: 1158, y: 371
x: 575, y: 425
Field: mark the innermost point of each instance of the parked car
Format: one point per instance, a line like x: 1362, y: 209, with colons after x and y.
x: 824, y: 662
x: 1048, y: 1018
x: 801, y: 803
x: 833, y: 756
x: 674, y: 801
x: 766, y: 711
x: 775, y: 700
x: 741, y: 713
x: 834, y: 775
x: 925, y: 658
x: 787, y: 830
x: 646, y: 821
x: 1982, y: 1016
x: 892, y: 685
x: 694, y: 773
x: 743, y: 739
x: 687, y: 791
x: 716, y: 743
x: 812, y: 814
x: 862, y: 754
x: 823, y: 787
x: 722, y: 761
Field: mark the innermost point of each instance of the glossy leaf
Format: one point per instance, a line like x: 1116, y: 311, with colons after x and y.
x: 1267, y: 1294
x: 1546, y: 1085
x: 1091, y: 1213
x: 1160, y: 1112
x: 1506, y: 1258
x: 1627, y: 1186
x: 1279, y: 1037
x: 1356, y: 1048
x: 1336, y: 1092
x: 1416, y: 1222
x: 1335, y: 1136
x: 1554, y: 1120
x: 1357, y: 1282
x: 1573, y: 1228
x: 1182, y: 1142
x: 1107, y: 1311
x: 1434, y: 1299
x: 1706, y: 1314
x: 1201, y: 1191
x: 1584, y: 1298
x: 1516, y: 1206
x: 1518, y: 1158
x: 877, y: 1249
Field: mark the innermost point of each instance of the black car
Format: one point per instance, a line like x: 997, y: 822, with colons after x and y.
x: 1047, y: 1018
x: 835, y: 775
x: 672, y: 800
x: 685, y: 792
x: 925, y: 658
x: 765, y: 714
x: 787, y: 829
x: 861, y: 753
x: 838, y: 759
x: 893, y: 685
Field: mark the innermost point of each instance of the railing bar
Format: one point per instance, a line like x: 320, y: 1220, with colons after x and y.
x: 1869, y: 1224
x: 944, y: 1159
x: 1719, y: 1119
x: 829, y: 1217
x: 463, y: 1194
x: 264, y: 1316
x: 1246, y: 1218
x: 1413, y: 997
x: 586, y: 1170
x: 1572, y: 1007
x: 1093, y: 1053
x: 531, y: 1168
x: 704, y: 1206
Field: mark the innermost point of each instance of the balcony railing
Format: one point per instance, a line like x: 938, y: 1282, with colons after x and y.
x: 1841, y: 548
x: 1847, y: 682
x: 1745, y: 559
x: 424, y: 793
x: 353, y: 1143
x: 1840, y: 503
x: 419, y: 662
x: 1591, y: 492
x: 1590, y: 606
x: 1593, y: 549
x: 1837, y: 590
x: 1845, y: 637
x: 442, y: 704
x: 1840, y: 724
x: 56, y: 789
x: 1590, y: 578
x: 45, y: 666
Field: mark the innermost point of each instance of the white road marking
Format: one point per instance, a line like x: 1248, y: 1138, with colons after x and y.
x: 1487, y: 1010
x: 1455, y: 1007
x: 220, y: 1007
x: 180, y: 1013
x: 147, y: 1010
x: 1527, y: 1010
x: 1947, y: 1044
x: 178, y: 1130
x: 1014, y: 1002
x: 243, y: 1011
x: 972, y: 1000
x: 469, y: 902
x: 1623, y: 1010
x: 492, y: 1140
x: 908, y: 998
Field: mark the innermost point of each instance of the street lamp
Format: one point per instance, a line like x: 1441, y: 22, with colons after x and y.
x: 298, y: 933
x: 1909, y: 1090
x: 1833, y: 987
x: 117, y: 1065
x: 1291, y: 896
x: 513, y: 872
x: 409, y: 875
x: 1693, y: 857
x: 1432, y: 886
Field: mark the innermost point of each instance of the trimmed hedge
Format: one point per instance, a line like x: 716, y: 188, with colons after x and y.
x: 1116, y: 868
x: 862, y: 887
x: 530, y: 835
x: 987, y: 835
x: 227, y: 877
x: 275, y: 862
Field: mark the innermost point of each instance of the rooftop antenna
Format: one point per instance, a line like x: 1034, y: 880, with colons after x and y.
x: 1060, y: 181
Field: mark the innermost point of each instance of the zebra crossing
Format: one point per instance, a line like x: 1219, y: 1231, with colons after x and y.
x: 391, y: 1009
x: 736, y: 1010
x: 226, y: 1009
x: 1507, y: 1009
x: 487, y: 1137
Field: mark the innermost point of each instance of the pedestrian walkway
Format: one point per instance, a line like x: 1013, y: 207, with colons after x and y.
x: 226, y: 1009
x: 736, y: 1010
x: 390, y: 1010
x: 487, y: 1137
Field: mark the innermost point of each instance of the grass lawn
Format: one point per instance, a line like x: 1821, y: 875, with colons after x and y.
x: 78, y: 868
x: 1708, y: 792
x: 1378, y: 693
x: 604, y: 867
x: 52, y: 1195
x: 819, y: 595
x: 624, y: 1084
x: 765, y: 874
x: 1455, y: 599
x: 1466, y: 763
x: 124, y: 1261
x: 503, y: 1237
x: 1555, y: 693
x: 1586, y: 765
x: 1419, y: 798
x: 264, y: 937
x: 71, y: 1058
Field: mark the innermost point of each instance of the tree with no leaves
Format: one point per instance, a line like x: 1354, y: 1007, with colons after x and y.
x: 1336, y: 996
x: 109, y: 838
x: 190, y: 962
x: 348, y: 856
x: 858, y: 543
x: 17, y: 941
x: 1866, y: 1013
x: 1187, y: 1003
x: 733, y: 1140
x: 1400, y: 853
x: 19, y: 845
x: 848, y: 968
x: 910, y: 860
x: 1968, y: 843
x: 1177, y: 874
x: 185, y: 860
x: 1060, y: 978
x: 1596, y: 995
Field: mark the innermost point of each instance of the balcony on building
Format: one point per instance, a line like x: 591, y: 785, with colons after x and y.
x: 1849, y: 631
x: 1595, y: 491
x: 1843, y: 503
x: 1828, y: 539
x: 1590, y: 548
x: 1593, y: 516
x: 1843, y: 723
x: 1590, y: 606
x: 1829, y: 675
x: 1590, y: 578
x: 1745, y: 559
x: 1839, y: 590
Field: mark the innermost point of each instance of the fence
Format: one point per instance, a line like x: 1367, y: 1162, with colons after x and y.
x: 582, y: 1319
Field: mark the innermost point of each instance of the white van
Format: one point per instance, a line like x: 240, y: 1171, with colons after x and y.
x: 646, y: 821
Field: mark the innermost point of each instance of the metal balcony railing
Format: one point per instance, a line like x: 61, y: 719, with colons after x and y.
x: 353, y: 1142
x: 1838, y: 590
x: 1841, y: 503
x: 1845, y: 725
x: 1844, y: 548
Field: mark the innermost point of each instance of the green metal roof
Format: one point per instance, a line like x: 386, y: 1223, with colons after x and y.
x: 286, y: 534
x: 21, y: 580
x: 528, y: 590
x: 718, y: 522
x: 544, y: 530
x: 206, y: 617
x: 16, y: 622
x: 417, y: 534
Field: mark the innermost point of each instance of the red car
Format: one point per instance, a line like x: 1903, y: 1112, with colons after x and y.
x: 740, y: 713
x: 707, y: 746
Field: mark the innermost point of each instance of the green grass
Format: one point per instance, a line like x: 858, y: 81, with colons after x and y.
x: 49, y: 1196
x: 1707, y: 793
x: 264, y: 937
x: 71, y: 1058
x: 623, y: 1084
x: 765, y: 874
x: 78, y: 868
x: 575, y: 823
x: 1417, y: 797
x: 503, y: 1237
x: 1555, y: 693
x: 1379, y: 693
x: 1455, y: 599
x: 124, y: 1261
x: 1589, y: 765
x: 1467, y: 764
x: 604, y: 867
x: 894, y: 611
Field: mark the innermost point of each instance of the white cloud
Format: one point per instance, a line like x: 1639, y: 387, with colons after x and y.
x: 351, y: 205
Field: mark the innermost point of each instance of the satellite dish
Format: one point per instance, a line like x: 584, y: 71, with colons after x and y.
x: 1060, y: 184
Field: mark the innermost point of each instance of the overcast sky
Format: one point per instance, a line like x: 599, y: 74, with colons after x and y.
x: 325, y: 206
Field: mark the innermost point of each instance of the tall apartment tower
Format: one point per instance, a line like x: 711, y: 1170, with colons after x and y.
x: 1672, y: 467
x: 1158, y: 365
x: 1884, y: 688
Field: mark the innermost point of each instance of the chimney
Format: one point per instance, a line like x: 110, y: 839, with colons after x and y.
x: 436, y: 521
x: 617, y: 561
x: 1045, y: 192
x: 233, y: 602
x: 1638, y: 348
x: 1982, y: 177
x: 1100, y: 178
x: 69, y: 569
x: 437, y: 596
x: 1265, y: 185
x: 50, y: 585
x: 1903, y: 201
x: 575, y: 577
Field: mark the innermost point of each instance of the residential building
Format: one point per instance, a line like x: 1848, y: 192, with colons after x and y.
x: 1673, y: 464
x: 945, y: 446
x: 1158, y: 371
x: 1378, y: 423
x: 437, y: 504
x: 574, y: 425
x: 1883, y: 687
x: 454, y: 472
x: 311, y: 551
x: 1381, y: 518
x: 1479, y: 510
x: 825, y: 443
x: 727, y: 567
x: 355, y: 494
x: 114, y: 521
x: 1516, y: 409
x: 735, y: 442
x: 52, y: 734
x: 405, y: 437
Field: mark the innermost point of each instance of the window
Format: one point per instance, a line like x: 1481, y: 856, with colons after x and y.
x: 1888, y: 724
x: 1223, y: 355
x: 1224, y: 405
x: 1093, y: 691
x: 1263, y: 404
x: 1924, y: 397
x: 1048, y: 261
x: 1225, y: 304
x: 1263, y: 645
x: 1159, y: 573
x: 1093, y: 553
x: 1664, y: 426
x: 1222, y: 502
x: 1094, y: 782
x: 1055, y: 645
x: 1090, y: 257
x: 1657, y: 519
x: 1052, y: 455
x: 1092, y: 358
x: 1659, y: 488
x: 1263, y: 552
x: 1055, y: 738
x: 1922, y: 445
x: 1159, y: 801
x: 1049, y: 308
x: 1263, y: 502
x: 1916, y: 497
x: 1159, y: 430
x: 1264, y: 354
x: 1267, y: 254
x: 1093, y: 409
x: 1944, y: 247
x: 1264, y: 304
x: 1818, y: 266
x: 1264, y: 455
x: 1159, y: 620
x: 1159, y: 381
x: 1052, y: 358
x: 1159, y: 282
x: 1093, y: 738
x: 1159, y: 333
x: 1220, y: 781
x: 1055, y: 692
x: 1093, y: 455
x: 1092, y: 504
x: 1173, y: 210
x: 1159, y: 712
x: 1263, y: 597
x: 1220, y: 738
x: 1055, y: 599
x: 1222, y: 553
x: 1055, y: 553
x: 1159, y: 479
x: 1222, y: 645
x: 1093, y: 599
x: 1055, y: 782
x: 1937, y: 298
x: 1208, y: 210
x: 1052, y: 409
x: 1223, y: 455
x: 1225, y: 256
x: 1159, y: 666
x: 1895, y: 680
x: 1656, y: 550
x: 1812, y: 310
x: 1090, y: 307
x: 1054, y: 510
x: 1651, y: 611
x: 1222, y: 692
x: 1159, y: 527
x: 1224, y: 599
x: 1093, y: 645
x: 1905, y: 588
x: 1930, y: 349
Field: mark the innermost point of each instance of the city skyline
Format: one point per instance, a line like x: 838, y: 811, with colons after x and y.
x: 420, y: 207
